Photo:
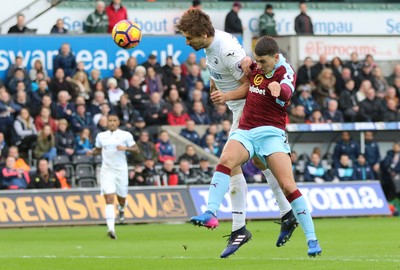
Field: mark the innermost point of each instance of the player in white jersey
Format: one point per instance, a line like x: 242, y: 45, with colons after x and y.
x: 113, y: 144
x: 224, y: 55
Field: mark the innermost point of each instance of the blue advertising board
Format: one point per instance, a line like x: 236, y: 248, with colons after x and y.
x: 324, y: 200
x: 95, y: 51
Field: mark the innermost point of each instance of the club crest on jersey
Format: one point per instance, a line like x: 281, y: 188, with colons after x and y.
x: 270, y: 74
x: 258, y: 79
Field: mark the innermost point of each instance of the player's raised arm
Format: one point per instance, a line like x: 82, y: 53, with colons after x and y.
x: 287, y: 84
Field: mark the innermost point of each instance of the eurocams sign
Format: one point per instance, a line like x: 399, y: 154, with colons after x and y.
x: 324, y: 200
x: 49, y: 207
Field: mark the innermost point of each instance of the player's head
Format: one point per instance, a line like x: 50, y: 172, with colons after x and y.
x: 196, y: 26
x: 266, y: 54
x: 113, y: 122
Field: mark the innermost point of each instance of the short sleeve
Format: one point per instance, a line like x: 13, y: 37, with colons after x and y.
x: 129, y: 140
x: 97, y: 141
x: 232, y: 60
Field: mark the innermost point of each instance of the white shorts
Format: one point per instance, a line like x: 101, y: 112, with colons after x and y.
x: 114, y: 181
x: 235, y: 119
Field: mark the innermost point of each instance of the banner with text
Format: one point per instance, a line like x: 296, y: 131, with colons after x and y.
x: 324, y: 200
x: 86, y: 206
x: 95, y: 51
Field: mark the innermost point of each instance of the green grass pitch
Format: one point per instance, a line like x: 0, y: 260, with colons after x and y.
x: 347, y: 243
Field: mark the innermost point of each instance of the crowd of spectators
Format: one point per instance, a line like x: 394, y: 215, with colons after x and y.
x: 48, y: 115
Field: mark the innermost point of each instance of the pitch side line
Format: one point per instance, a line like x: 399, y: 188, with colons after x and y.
x: 346, y: 259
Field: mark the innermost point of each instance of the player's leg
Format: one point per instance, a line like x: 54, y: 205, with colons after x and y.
x: 281, y: 166
x: 108, y: 189
x: 288, y: 220
x: 122, y: 192
x: 238, y: 194
x: 110, y: 215
x: 232, y: 156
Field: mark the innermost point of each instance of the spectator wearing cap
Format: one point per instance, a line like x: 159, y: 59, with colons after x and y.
x: 204, y: 170
x: 302, y: 23
x: 305, y: 98
x: 139, y: 125
x: 266, y: 23
x: 190, y: 155
x: 115, y: 12
x: 152, y: 62
x: 233, y: 24
x: 97, y: 22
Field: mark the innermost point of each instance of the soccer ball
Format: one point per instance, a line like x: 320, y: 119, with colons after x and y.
x: 127, y: 34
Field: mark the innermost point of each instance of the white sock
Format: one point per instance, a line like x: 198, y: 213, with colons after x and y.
x: 110, y: 217
x: 284, y: 205
x: 238, y: 194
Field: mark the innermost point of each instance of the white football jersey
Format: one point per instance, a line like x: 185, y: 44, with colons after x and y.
x: 108, y: 142
x: 223, y: 62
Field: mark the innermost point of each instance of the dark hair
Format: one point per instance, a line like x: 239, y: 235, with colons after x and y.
x: 196, y: 23
x: 266, y: 46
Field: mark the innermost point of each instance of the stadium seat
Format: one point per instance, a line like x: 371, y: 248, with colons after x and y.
x: 65, y: 161
x: 82, y: 159
x: 87, y: 182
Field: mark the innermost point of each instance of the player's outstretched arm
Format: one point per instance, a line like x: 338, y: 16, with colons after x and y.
x: 219, y: 97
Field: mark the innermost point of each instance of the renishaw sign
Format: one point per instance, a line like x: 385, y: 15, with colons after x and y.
x: 324, y: 200
x: 86, y: 206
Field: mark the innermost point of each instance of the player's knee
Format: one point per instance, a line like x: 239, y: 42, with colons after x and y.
x: 288, y: 187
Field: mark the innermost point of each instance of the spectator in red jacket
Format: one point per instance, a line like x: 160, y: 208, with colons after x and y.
x: 178, y: 116
x: 115, y: 12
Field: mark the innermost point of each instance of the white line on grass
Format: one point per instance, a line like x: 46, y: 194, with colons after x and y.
x: 395, y: 259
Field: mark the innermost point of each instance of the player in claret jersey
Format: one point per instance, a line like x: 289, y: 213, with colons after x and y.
x: 261, y: 132
x: 224, y: 54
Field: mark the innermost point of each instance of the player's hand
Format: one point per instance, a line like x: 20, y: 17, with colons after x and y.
x: 218, y: 97
x: 89, y: 153
x: 246, y: 64
x: 121, y: 148
x: 213, y: 87
x: 275, y: 89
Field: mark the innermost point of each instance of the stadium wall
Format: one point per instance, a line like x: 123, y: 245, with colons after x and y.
x: 178, y: 204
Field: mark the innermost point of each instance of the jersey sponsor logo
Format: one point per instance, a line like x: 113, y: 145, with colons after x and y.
x: 231, y: 54
x: 258, y: 79
x: 257, y: 90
